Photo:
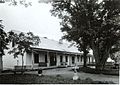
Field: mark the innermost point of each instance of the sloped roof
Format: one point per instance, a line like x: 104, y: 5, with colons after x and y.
x: 55, y: 45
x: 50, y: 44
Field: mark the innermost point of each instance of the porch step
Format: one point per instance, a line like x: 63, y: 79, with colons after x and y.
x: 45, y: 68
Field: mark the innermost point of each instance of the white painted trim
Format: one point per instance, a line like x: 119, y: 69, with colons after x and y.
x: 32, y: 60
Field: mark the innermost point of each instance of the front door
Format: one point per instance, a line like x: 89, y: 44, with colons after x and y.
x: 73, y: 60
x: 36, y: 58
x: 46, y: 59
x: 52, y: 59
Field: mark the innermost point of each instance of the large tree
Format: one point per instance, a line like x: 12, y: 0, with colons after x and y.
x: 90, y: 24
x: 3, y: 43
x: 22, y: 43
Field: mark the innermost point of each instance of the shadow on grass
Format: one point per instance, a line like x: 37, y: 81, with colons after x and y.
x: 35, y: 79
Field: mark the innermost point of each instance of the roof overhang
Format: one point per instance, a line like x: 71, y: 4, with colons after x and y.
x: 56, y: 51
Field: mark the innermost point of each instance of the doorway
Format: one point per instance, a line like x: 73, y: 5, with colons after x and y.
x: 53, y: 59
x: 36, y: 58
x: 73, y: 60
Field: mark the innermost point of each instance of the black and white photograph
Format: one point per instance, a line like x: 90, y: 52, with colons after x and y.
x: 60, y: 42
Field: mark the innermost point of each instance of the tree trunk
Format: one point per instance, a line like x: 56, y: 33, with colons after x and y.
x: 100, y: 57
x: 22, y: 62
x: 104, y: 59
x: 96, y: 56
x: 1, y: 63
x: 100, y: 63
x: 99, y: 66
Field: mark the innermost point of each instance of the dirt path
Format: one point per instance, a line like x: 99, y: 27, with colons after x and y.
x: 67, y: 73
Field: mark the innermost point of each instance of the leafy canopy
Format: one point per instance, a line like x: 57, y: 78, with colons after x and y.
x: 23, y: 42
x: 89, y: 22
x: 3, y: 39
x: 91, y: 25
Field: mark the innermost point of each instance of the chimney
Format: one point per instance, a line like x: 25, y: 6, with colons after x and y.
x: 60, y: 41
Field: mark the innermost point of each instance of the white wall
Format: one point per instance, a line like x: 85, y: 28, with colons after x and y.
x: 79, y: 62
x: 9, y: 61
x: 63, y: 59
x: 41, y: 57
x: 70, y: 60
x: 76, y: 60
x: 48, y: 59
x: 28, y: 58
x: 58, y: 60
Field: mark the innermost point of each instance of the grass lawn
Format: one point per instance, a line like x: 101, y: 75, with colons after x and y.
x: 35, y: 79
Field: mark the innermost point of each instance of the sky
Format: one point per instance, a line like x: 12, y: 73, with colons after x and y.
x: 36, y: 18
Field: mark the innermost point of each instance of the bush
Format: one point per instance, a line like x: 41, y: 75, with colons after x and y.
x: 94, y: 71
x: 88, y: 80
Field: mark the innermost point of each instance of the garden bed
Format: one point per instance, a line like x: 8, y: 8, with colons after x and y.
x: 94, y: 71
x: 35, y: 79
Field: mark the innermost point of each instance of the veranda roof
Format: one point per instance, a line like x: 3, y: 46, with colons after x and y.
x: 49, y: 44
x: 55, y: 45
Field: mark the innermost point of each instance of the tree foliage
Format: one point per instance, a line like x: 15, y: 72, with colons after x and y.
x: 3, y: 39
x: 22, y: 43
x: 25, y: 3
x: 90, y: 24
x: 3, y: 43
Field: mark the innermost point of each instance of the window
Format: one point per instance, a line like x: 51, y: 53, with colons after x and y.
x: 36, y: 58
x: 73, y: 60
x: 89, y: 59
x: 13, y: 43
x: 61, y: 58
x: 78, y: 58
x: 45, y: 58
x: 81, y: 58
x: 66, y: 58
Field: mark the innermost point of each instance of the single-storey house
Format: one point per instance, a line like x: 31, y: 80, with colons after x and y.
x: 48, y: 53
